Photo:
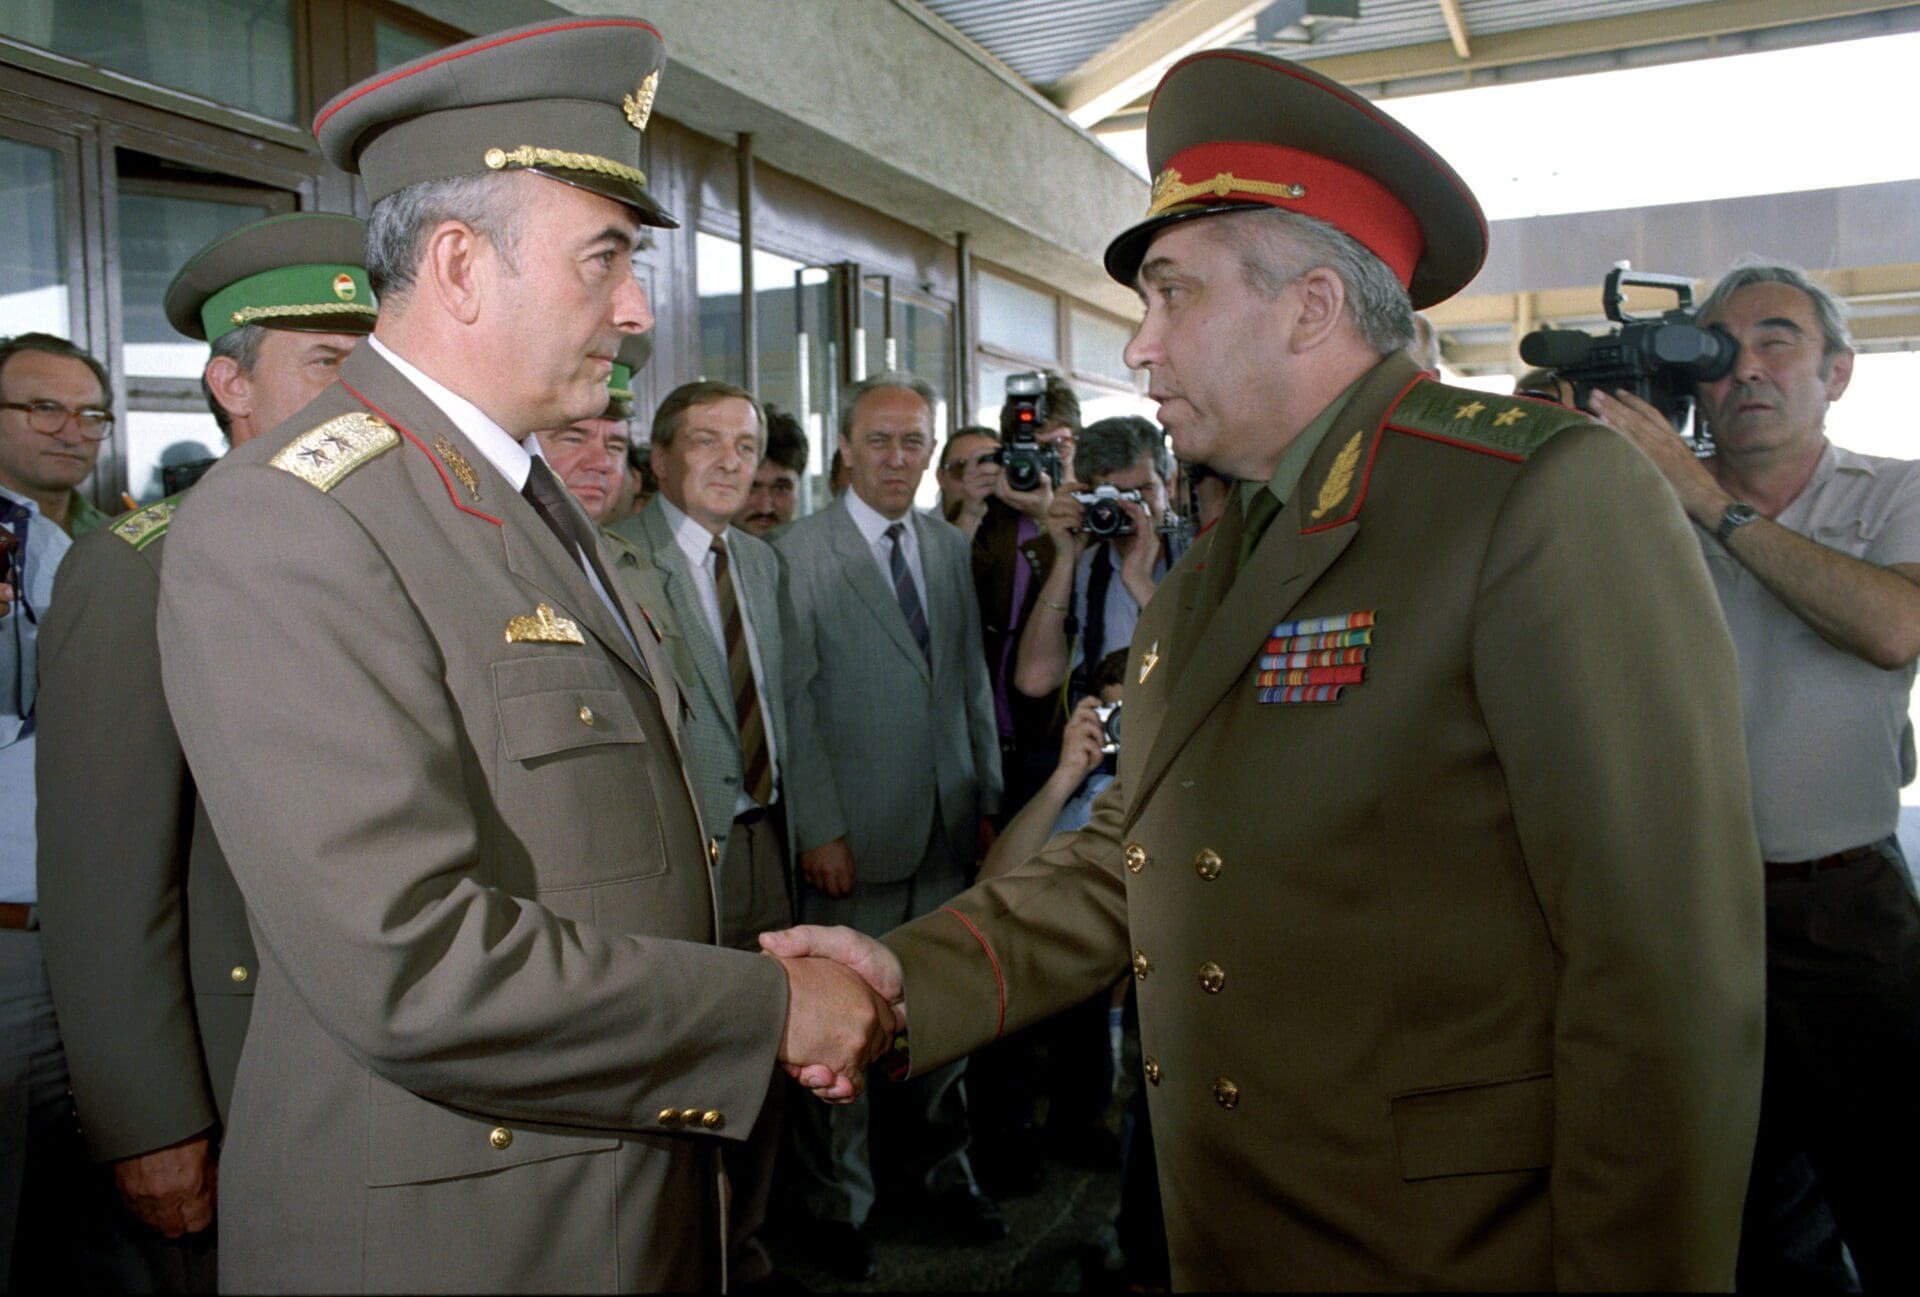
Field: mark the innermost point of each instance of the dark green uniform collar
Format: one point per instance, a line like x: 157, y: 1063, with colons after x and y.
x: 1293, y: 462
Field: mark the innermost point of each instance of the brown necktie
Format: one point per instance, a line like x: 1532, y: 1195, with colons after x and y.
x: 756, y: 761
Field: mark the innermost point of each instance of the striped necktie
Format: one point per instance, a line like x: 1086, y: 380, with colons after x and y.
x: 756, y: 760
x: 905, y: 591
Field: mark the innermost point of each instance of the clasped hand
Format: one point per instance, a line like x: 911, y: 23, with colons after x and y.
x: 844, y: 1007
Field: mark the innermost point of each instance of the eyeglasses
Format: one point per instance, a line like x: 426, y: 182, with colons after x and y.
x: 955, y: 467
x: 49, y: 417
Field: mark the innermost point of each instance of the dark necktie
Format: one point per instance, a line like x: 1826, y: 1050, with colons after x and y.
x: 549, y: 499
x: 1261, y: 508
x: 756, y: 761
x: 905, y: 591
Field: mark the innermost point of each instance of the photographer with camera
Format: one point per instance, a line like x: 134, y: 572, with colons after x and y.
x: 1815, y: 554
x: 1111, y: 536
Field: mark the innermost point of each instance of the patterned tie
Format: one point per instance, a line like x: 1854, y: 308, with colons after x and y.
x: 905, y: 591
x: 756, y: 762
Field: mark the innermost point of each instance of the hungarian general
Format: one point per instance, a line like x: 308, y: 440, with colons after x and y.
x: 1438, y: 878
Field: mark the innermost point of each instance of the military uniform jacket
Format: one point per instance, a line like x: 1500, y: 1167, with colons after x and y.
x: 492, y: 1047
x: 145, y: 935
x: 1455, y: 981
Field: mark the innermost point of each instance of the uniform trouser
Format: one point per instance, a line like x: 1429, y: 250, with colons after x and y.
x: 1843, y: 1056
x: 833, y: 1161
x: 753, y: 900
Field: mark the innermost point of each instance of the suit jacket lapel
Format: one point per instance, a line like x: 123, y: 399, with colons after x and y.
x: 683, y: 596
x: 864, y: 574
x: 941, y: 608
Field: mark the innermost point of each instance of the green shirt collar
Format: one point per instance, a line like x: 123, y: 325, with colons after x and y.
x: 1293, y: 462
x: 83, y: 516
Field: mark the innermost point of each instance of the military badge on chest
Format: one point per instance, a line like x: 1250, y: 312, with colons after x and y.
x: 1315, y: 659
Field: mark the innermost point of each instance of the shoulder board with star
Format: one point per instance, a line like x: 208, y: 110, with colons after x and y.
x: 144, y: 526
x: 1507, y: 427
x: 324, y: 455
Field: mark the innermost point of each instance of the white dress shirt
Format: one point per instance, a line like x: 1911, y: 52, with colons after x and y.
x: 873, y: 527
x: 512, y: 458
x: 696, y: 542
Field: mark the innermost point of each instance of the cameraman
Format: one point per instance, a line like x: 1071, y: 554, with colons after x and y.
x: 1088, y: 605
x: 1815, y: 554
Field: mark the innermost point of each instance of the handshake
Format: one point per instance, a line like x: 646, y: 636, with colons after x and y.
x: 845, y: 1007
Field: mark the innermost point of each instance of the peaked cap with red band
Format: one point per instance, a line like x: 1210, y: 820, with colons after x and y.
x: 568, y: 99
x: 1231, y: 130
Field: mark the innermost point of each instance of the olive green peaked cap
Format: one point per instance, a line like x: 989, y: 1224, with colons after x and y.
x: 635, y: 351
x: 566, y: 98
x: 302, y: 271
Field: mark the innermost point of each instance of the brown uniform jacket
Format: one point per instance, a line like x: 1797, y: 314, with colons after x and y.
x: 146, y: 938
x: 492, y: 1046
x: 1455, y: 981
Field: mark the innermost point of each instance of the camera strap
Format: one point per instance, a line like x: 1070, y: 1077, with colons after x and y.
x: 1093, y: 636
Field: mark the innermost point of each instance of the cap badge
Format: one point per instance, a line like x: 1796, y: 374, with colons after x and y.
x: 344, y: 287
x: 639, y: 104
x: 1339, y: 478
x: 1163, y: 182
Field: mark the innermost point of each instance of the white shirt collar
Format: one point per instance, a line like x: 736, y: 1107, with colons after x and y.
x: 26, y: 502
x: 695, y: 541
x: 872, y: 523
x: 512, y: 458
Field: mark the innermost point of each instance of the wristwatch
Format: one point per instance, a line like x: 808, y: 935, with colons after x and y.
x: 1738, y: 515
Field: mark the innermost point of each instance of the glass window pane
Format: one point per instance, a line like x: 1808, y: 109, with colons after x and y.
x: 238, y: 52
x: 717, y: 275
x: 1098, y: 344
x: 33, y: 272
x: 394, y: 44
x: 800, y: 385
x: 1018, y: 318
x: 873, y: 318
x: 924, y: 336
x: 158, y: 439
x: 157, y: 235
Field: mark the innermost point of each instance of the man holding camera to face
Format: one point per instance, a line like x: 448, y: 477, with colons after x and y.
x: 1108, y: 556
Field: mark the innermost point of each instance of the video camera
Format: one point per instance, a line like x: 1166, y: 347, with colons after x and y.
x: 1101, y: 517
x: 1657, y: 359
x: 1023, y: 459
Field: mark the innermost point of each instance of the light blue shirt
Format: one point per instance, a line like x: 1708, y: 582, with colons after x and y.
x: 19, y: 676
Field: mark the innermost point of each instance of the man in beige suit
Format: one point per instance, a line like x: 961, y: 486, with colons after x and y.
x: 493, y: 1045
x: 1430, y: 847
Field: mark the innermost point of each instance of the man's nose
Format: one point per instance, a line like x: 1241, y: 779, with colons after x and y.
x: 632, y: 312
x: 1143, y: 348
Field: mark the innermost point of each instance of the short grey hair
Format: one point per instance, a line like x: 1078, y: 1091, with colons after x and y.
x: 399, y: 224
x: 1827, y: 309
x: 242, y: 347
x: 886, y: 378
x: 1114, y: 445
x: 1277, y: 246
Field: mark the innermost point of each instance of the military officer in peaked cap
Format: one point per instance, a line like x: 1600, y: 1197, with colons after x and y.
x: 147, y: 947
x: 493, y: 1045
x: 1430, y: 847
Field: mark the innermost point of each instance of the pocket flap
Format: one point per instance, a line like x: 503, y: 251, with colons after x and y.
x: 1475, y: 1129
x: 557, y: 703
x: 411, y: 1140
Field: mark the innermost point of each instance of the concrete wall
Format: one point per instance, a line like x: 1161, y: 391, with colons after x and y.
x: 867, y: 99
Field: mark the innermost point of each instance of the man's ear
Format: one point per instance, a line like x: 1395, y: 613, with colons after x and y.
x: 1839, y: 374
x: 453, y: 266
x: 230, y: 386
x: 1323, y: 304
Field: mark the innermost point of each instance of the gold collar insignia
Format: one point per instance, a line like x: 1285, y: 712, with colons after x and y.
x: 457, y: 462
x: 1339, y: 478
x: 543, y: 628
x: 639, y: 104
x: 1149, y: 661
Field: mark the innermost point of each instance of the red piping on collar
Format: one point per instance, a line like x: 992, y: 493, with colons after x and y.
x: 403, y: 73
x: 1373, y: 453
x: 999, y: 981
x: 432, y: 458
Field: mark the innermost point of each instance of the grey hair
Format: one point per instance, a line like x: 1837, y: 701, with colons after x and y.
x: 242, y: 347
x: 886, y: 378
x: 1109, y: 446
x: 399, y: 224
x: 1827, y: 309
x: 1277, y: 246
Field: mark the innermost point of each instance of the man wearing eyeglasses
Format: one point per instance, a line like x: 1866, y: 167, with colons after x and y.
x: 53, y: 417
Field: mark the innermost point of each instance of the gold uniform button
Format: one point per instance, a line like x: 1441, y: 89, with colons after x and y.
x: 586, y: 716
x: 1136, y: 857
x: 669, y: 1116
x: 240, y: 973
x: 713, y: 851
x: 1212, y: 977
x: 1226, y: 1093
x: 713, y: 1120
x: 501, y: 1137
x: 689, y: 1116
x: 1151, y: 1066
x: 1140, y: 965
x: 1207, y: 864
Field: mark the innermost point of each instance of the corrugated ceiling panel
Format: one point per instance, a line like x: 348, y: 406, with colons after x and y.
x: 1385, y: 24
x: 1044, y: 40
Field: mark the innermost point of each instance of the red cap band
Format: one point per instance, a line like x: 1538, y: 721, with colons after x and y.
x: 1349, y: 200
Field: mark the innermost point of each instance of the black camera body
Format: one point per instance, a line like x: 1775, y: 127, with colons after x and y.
x: 1023, y: 460
x: 1657, y: 359
x: 1101, y: 517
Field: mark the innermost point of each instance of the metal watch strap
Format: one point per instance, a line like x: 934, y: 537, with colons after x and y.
x: 1737, y: 515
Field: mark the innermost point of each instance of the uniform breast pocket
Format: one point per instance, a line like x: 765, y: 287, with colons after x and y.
x: 1475, y: 1129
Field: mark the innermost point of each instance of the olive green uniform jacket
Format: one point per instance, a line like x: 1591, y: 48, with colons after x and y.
x: 492, y: 1047
x: 1454, y: 982
x: 145, y: 934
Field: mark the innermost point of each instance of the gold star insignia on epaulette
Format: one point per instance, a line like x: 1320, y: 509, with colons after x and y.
x: 1468, y: 410
x: 639, y: 104
x: 1149, y: 661
x: 457, y: 462
x: 324, y: 455
x: 1507, y: 418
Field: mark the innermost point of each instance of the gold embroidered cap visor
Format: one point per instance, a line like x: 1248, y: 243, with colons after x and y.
x: 301, y: 271
x: 567, y: 99
x: 1231, y: 130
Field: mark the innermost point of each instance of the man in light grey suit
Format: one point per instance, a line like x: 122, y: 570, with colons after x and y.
x: 892, y: 764
x: 722, y: 589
